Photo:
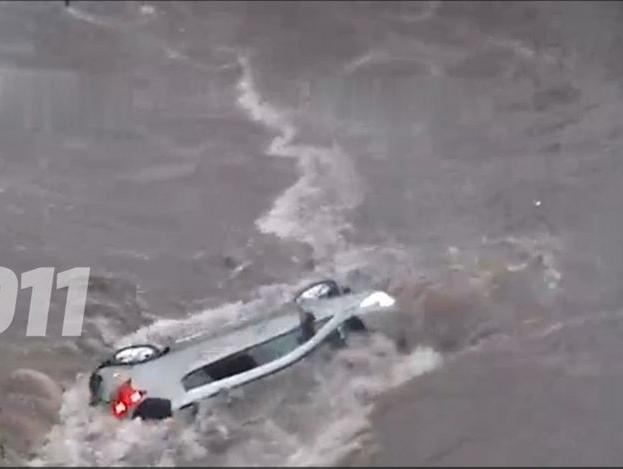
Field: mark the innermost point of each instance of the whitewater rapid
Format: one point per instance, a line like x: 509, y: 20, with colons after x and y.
x: 311, y: 211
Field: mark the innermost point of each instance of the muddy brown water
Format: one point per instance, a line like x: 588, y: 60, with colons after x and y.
x: 464, y: 155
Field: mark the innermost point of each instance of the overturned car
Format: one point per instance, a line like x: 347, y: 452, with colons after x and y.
x: 152, y: 382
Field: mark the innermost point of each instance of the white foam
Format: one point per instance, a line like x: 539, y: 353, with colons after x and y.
x: 313, y: 209
x: 541, y: 246
x: 346, y: 433
x: 147, y: 9
x: 89, y: 18
x: 369, y: 57
x: 315, y: 413
x: 521, y: 49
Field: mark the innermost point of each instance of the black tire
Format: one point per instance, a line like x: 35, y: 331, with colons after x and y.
x: 334, y: 288
x: 153, y: 408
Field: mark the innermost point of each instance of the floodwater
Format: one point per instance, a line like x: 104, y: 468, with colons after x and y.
x: 205, y: 159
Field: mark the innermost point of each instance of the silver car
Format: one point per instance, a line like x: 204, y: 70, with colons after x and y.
x: 163, y: 380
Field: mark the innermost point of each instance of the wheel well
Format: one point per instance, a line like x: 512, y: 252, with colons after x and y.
x: 355, y: 324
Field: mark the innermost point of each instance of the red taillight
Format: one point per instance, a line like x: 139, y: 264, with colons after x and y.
x: 119, y: 409
x: 126, y: 398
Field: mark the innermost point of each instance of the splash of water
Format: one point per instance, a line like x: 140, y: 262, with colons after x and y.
x: 314, y: 413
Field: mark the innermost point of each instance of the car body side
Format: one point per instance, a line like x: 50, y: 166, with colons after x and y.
x: 201, y: 368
